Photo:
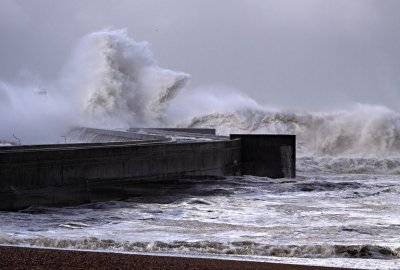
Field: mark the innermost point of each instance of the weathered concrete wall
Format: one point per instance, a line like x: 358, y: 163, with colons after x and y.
x: 193, y: 133
x: 268, y: 155
x: 208, y: 131
x: 75, y: 174
x: 104, y: 135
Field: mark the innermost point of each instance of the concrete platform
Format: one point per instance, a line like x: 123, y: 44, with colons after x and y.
x: 82, y: 172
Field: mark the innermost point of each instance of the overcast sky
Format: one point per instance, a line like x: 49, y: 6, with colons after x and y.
x: 315, y: 54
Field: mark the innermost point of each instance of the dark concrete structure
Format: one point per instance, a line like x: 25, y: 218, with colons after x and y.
x: 209, y: 131
x: 82, y: 172
x: 268, y: 155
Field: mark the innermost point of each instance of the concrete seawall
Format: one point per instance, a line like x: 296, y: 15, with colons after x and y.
x: 268, y: 155
x: 85, y: 172
x: 68, y: 175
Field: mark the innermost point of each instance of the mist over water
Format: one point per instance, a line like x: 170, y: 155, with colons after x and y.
x: 31, y: 114
x: 110, y: 81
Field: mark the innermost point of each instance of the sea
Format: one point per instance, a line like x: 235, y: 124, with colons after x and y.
x: 338, y: 211
x: 342, y: 209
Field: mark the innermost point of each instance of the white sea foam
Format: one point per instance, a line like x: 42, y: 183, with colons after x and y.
x: 117, y: 82
x: 365, y: 130
x: 110, y: 81
x: 343, y: 220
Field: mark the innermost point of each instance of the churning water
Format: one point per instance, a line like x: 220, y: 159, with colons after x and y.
x: 348, y: 220
x: 343, y: 209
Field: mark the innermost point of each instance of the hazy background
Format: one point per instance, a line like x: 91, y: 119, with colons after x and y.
x: 310, y: 54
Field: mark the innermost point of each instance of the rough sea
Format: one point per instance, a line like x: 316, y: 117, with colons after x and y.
x: 319, y: 218
x: 342, y: 209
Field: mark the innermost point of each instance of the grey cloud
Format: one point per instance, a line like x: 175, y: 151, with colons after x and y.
x: 313, y: 54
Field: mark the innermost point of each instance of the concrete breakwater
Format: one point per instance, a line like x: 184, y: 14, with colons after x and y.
x: 83, y: 172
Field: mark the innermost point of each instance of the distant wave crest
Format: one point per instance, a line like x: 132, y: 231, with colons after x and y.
x: 365, y: 130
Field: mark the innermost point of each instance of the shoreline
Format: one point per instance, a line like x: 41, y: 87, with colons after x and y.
x: 16, y: 257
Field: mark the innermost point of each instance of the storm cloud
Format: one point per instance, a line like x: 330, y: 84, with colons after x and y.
x: 308, y: 54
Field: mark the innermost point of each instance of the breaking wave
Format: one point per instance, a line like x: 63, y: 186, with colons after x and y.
x: 349, y: 165
x: 113, y: 81
x: 110, y: 81
x: 118, y: 82
x: 365, y: 130
x: 247, y: 248
x: 121, y: 84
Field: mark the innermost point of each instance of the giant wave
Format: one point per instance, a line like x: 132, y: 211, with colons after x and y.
x: 113, y: 81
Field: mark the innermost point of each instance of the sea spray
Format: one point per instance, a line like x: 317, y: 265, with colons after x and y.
x: 362, y: 131
x: 113, y: 81
x: 29, y: 115
x: 110, y: 81
x: 116, y: 81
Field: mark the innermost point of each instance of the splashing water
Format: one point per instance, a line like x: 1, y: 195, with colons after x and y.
x: 364, y: 130
x: 119, y: 83
x: 122, y: 85
x: 112, y: 81
x: 343, y: 205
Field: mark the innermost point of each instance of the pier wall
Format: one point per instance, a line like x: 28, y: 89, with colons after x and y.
x: 267, y: 155
x: 71, y: 174
x: 85, y: 172
x: 208, y: 131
